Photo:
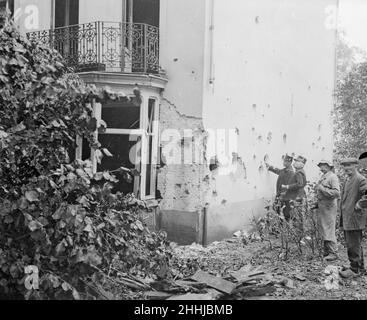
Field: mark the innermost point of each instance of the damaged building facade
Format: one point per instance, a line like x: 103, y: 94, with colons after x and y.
x: 223, y: 85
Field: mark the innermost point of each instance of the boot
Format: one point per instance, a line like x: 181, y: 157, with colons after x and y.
x: 331, y: 257
x: 348, y: 274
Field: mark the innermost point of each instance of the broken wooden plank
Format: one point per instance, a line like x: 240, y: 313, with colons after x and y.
x: 245, y: 274
x: 214, y: 282
x: 185, y: 283
x: 256, y: 273
x: 131, y: 284
x: 255, y: 291
x: 288, y: 283
x: 300, y: 278
x: 157, y: 295
x: 215, y: 293
x: 255, y: 298
x: 192, y: 296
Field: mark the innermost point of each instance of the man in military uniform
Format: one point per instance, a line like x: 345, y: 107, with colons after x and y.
x: 284, y: 177
x: 353, y: 219
x: 296, y: 194
x: 295, y: 189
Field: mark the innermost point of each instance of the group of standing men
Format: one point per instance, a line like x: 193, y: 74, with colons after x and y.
x: 290, y: 187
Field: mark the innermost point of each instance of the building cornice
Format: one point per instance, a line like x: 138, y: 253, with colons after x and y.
x: 119, y: 79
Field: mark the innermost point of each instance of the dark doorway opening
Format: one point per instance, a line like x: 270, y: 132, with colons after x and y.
x: 66, y: 34
x: 66, y: 13
x: 146, y: 47
x: 146, y: 11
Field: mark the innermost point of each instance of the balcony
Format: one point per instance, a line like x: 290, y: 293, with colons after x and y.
x: 105, y: 46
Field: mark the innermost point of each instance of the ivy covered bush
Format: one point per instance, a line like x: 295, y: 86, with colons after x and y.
x: 57, y: 215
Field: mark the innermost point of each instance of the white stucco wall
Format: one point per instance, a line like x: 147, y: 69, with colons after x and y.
x: 274, y: 68
x: 37, y: 14
x: 182, y: 40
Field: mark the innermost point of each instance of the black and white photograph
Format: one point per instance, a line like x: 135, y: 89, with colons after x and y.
x: 183, y: 155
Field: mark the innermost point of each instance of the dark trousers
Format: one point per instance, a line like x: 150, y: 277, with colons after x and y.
x: 355, y: 251
x: 330, y: 247
x: 285, y: 207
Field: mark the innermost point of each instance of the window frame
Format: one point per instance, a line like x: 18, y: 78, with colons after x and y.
x: 155, y: 146
x: 140, y: 181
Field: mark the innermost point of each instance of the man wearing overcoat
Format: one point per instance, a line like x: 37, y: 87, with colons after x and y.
x: 328, y: 193
x: 353, y: 217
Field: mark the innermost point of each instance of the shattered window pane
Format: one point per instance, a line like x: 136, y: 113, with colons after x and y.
x: 86, y: 151
x: 151, y: 111
x: 126, y: 153
x: 150, y: 179
x: 148, y: 182
x: 121, y: 115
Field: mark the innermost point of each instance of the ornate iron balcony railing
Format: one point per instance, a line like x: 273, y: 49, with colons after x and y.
x: 107, y: 46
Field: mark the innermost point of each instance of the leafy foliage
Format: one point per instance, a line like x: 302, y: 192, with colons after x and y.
x: 54, y: 214
x: 347, y: 57
x: 350, y: 113
x: 300, y: 232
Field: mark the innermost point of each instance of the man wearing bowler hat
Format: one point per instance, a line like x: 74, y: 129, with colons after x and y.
x: 328, y: 192
x: 284, y: 177
x: 353, y: 219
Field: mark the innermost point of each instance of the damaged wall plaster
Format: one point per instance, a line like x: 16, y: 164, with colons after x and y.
x: 184, y: 186
x: 267, y: 91
x: 192, y: 186
x: 265, y: 88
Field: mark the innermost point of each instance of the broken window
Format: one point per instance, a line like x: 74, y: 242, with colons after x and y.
x: 152, y: 150
x: 121, y: 115
x: 132, y: 139
x: 126, y: 153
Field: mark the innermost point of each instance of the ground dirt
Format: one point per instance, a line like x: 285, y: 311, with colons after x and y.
x: 221, y: 258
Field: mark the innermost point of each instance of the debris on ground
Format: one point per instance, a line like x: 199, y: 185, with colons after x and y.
x: 247, y: 273
x: 218, y: 258
x: 214, y: 282
x: 234, y: 269
x: 300, y: 278
x: 157, y: 295
x: 192, y: 296
x: 332, y: 280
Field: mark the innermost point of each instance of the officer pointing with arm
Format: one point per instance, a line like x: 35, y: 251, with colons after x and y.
x: 284, y: 177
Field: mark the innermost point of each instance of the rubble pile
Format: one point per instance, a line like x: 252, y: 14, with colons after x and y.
x: 247, y: 283
x: 223, y: 270
x: 244, y: 268
x: 218, y: 258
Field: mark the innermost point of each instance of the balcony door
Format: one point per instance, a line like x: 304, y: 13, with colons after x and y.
x: 66, y: 30
x: 145, y: 49
x: 66, y: 13
x: 146, y: 11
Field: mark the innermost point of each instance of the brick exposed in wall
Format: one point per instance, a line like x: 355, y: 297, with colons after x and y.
x: 191, y: 187
x: 184, y: 186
